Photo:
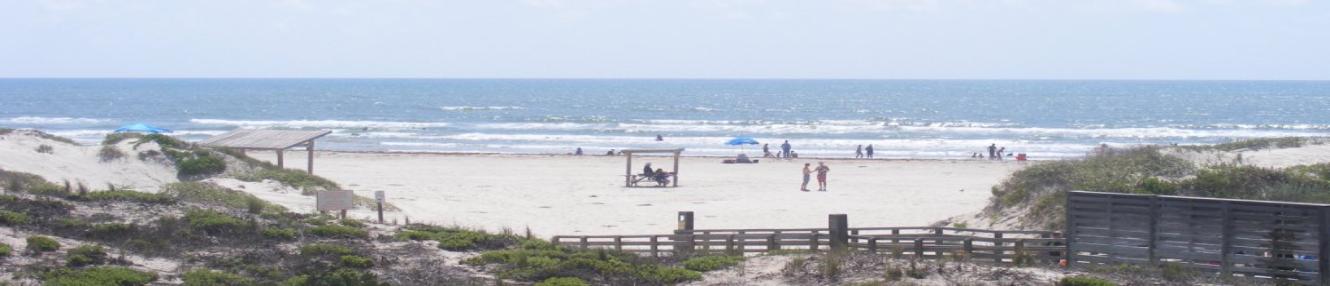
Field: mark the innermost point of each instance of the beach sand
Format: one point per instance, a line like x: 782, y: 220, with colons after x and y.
x: 567, y: 195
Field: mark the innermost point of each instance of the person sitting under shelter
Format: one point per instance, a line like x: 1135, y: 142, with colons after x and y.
x: 661, y: 177
x: 647, y: 171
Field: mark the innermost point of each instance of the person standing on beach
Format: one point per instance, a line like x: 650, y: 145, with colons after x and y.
x: 992, y: 149
x: 766, y: 152
x: 822, y: 170
x: 859, y: 152
x: 870, y: 151
x: 808, y: 172
x: 1002, y: 153
x: 785, y: 149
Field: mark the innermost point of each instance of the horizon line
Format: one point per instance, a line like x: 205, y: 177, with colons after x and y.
x: 652, y: 78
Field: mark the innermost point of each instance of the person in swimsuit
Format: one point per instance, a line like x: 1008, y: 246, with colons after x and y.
x: 822, y: 170
x: 807, y: 174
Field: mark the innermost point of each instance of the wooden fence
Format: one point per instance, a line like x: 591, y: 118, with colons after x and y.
x: 1021, y: 247
x: 1232, y: 237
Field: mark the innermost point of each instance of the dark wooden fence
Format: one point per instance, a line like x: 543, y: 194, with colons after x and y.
x: 1020, y: 247
x: 1234, y: 237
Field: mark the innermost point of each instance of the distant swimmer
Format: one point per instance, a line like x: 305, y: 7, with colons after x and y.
x: 660, y: 138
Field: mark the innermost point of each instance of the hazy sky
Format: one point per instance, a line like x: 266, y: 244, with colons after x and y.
x: 910, y: 39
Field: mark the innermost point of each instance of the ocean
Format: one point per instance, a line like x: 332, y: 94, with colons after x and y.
x: 921, y: 119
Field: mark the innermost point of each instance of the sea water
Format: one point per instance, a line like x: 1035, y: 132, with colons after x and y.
x: 824, y: 118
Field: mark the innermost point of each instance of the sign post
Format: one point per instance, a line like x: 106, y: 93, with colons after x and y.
x: 378, y: 198
x: 334, y: 201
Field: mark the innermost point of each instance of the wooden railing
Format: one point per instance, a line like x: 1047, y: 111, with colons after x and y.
x: 1022, y: 247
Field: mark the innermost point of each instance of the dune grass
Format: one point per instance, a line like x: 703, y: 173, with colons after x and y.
x: 537, y: 260
x: 214, y: 195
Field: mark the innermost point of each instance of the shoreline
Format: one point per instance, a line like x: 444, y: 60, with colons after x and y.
x: 765, y: 159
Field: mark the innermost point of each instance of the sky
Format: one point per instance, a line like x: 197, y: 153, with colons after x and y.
x: 838, y: 39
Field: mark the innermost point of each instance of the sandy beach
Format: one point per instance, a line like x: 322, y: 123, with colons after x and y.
x: 563, y: 195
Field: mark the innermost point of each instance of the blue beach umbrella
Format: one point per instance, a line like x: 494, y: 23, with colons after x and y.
x: 142, y: 128
x: 742, y: 140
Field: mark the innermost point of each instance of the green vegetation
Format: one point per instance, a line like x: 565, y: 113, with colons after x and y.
x: 110, y: 153
x: 216, y: 223
x: 538, y: 260
x: 711, y: 263
x: 10, y: 218
x: 97, y: 276
x: 294, y: 178
x: 1084, y: 281
x: 205, y: 277
x: 353, y: 261
x: 85, y: 255
x: 1254, y: 144
x: 279, y: 233
x: 459, y: 239
x: 124, y: 195
x: 164, y: 141
x: 6, y: 250
x: 214, y: 195
x: 39, y: 244
x: 562, y: 281
x: 321, y: 249
x: 116, y: 138
x: 45, y: 149
x: 338, y: 231
x: 196, y: 163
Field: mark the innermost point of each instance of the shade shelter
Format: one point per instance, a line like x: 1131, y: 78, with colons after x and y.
x: 271, y: 140
x: 628, y: 178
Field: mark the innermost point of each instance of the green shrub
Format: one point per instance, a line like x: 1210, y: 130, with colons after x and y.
x: 88, y: 254
x: 125, y: 195
x: 352, y: 223
x: 537, y: 261
x: 459, y: 239
x: 164, y: 141
x: 116, y: 138
x: 711, y: 263
x: 45, y: 149
x: 110, y: 153
x: 205, y: 277
x: 279, y: 233
x: 338, y: 231
x: 294, y: 178
x: 322, y: 249
x: 110, y: 231
x: 40, y: 244
x: 215, y: 223
x: 98, y: 276
x: 563, y: 281
x: 1084, y: 281
x: 354, y: 261
x: 6, y: 250
x: 12, y: 218
x: 201, y: 163
x: 214, y: 195
x: 343, y: 277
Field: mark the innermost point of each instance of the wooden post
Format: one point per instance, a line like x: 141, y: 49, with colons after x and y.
x: 1020, y: 250
x: 655, y: 250
x: 919, y: 247
x: 310, y: 159
x: 676, y: 168
x: 618, y: 243
x: 937, y: 231
x: 1070, y: 231
x: 684, y: 231
x: 838, y: 225
x: 854, y: 236
x: 872, y: 245
x: 1154, y: 230
x: 895, y: 236
x: 997, y: 247
x: 380, y: 212
x: 969, y: 247
x: 740, y: 239
x: 1323, y: 261
x: 628, y: 175
x: 729, y: 245
x: 280, y: 162
x: 812, y: 242
x: 584, y: 243
x: 772, y: 245
x: 1226, y: 246
x: 343, y: 214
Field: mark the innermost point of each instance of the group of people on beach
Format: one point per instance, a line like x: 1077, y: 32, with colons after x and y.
x: 997, y: 153
x: 821, y: 171
x: 786, y: 151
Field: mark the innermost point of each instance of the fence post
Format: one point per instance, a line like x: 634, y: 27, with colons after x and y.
x: 919, y: 247
x: 969, y: 247
x: 872, y: 245
x: 771, y: 242
x: 997, y: 247
x: 584, y: 243
x: 729, y: 245
x: 838, y: 225
x: 937, y: 231
x: 812, y: 242
x: 1322, y: 259
x: 1226, y: 256
x: 618, y: 243
x: 741, y: 242
x: 854, y: 236
x: 1154, y: 229
x: 655, y: 250
x: 1069, y: 231
x: 684, y: 233
x: 1019, y: 253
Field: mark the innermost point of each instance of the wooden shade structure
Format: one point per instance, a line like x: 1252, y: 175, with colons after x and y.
x: 272, y: 140
x: 628, y: 153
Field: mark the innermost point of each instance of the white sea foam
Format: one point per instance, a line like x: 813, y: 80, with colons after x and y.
x: 479, y: 108
x: 37, y: 120
x: 318, y: 123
